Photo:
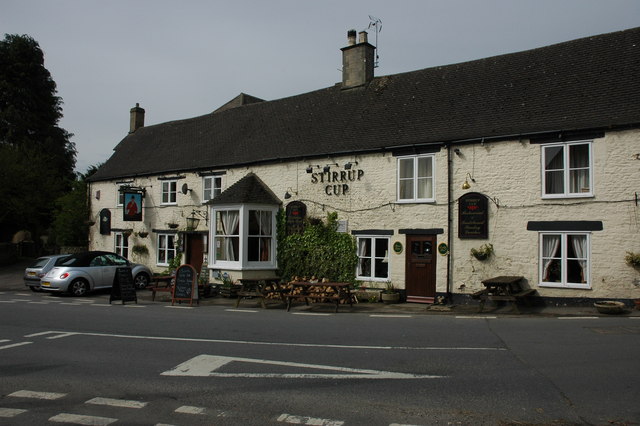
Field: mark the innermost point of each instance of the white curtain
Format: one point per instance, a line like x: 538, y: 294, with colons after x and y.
x: 550, y: 244
x: 579, y: 243
x: 362, y: 251
x: 230, y: 222
x: 265, y: 229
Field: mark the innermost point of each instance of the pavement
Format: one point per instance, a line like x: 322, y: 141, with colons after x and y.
x: 11, y: 280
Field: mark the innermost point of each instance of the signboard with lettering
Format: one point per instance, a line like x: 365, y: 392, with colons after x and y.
x: 186, y: 286
x: 296, y: 212
x: 123, y: 287
x: 473, y: 216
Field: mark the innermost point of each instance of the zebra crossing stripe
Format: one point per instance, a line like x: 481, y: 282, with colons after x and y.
x: 37, y: 395
x: 123, y: 403
x: 77, y: 419
x: 10, y: 412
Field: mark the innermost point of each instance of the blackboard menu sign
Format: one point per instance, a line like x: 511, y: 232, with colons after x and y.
x: 123, y: 288
x: 296, y: 213
x: 473, y: 216
x: 185, y: 287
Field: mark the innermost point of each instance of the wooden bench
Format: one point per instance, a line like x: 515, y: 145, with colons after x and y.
x: 503, y: 289
x: 162, y: 284
x: 319, y: 292
x: 262, y: 289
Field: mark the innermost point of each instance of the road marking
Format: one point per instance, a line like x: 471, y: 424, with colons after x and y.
x: 6, y: 301
x: 576, y: 318
x: 10, y: 412
x: 241, y: 310
x: 317, y: 314
x: 179, y: 307
x: 186, y: 409
x: 116, y: 402
x: 77, y: 419
x: 259, y: 343
x: 39, y: 303
x: 101, y: 304
x: 389, y: 316
x: 303, y: 420
x: 134, y: 306
x: 15, y: 345
x: 37, y: 395
x: 206, y: 366
x: 4, y: 340
x: 475, y: 317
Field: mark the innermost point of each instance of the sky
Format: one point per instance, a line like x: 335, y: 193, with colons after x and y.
x: 182, y: 59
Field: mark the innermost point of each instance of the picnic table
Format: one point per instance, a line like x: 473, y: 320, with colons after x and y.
x: 161, y: 283
x: 261, y: 288
x: 503, y: 288
x: 319, y: 292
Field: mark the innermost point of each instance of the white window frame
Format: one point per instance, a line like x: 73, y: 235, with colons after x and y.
x: 120, y: 194
x: 563, y: 259
x: 372, y: 258
x: 121, y: 244
x: 243, y: 232
x: 169, y: 195
x: 162, y: 247
x: 415, y: 178
x: 211, y: 187
x: 566, y: 169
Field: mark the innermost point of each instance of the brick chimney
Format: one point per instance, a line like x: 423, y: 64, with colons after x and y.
x: 137, y: 118
x: 358, y: 61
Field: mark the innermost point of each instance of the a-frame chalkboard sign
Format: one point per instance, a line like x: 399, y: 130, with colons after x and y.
x: 123, y: 288
x: 186, y: 285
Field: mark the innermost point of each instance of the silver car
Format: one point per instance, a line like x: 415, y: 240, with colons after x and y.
x: 83, y: 272
x: 39, y: 269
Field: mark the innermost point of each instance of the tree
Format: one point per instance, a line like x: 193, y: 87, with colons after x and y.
x: 37, y: 158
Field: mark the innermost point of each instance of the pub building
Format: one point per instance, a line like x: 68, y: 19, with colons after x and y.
x: 530, y: 158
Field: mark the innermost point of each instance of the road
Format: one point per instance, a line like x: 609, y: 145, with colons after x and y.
x: 83, y: 361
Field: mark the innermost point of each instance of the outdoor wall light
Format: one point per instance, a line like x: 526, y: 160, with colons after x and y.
x: 457, y: 151
x: 287, y: 194
x: 327, y: 168
x: 466, y: 184
x: 350, y: 164
x: 193, y: 221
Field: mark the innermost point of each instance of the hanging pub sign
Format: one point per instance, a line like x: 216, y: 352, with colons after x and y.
x: 296, y: 212
x: 473, y: 216
x: 132, y: 206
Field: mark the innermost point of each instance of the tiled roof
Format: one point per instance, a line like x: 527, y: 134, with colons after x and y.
x: 588, y: 83
x: 248, y: 190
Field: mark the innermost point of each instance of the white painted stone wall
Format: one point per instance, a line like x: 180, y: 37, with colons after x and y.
x: 509, y: 173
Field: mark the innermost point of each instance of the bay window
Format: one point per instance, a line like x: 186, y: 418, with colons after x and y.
x: 565, y: 259
x: 244, y: 237
x: 567, y: 170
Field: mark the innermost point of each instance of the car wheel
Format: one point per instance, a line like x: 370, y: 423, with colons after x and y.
x: 141, y: 281
x: 79, y: 288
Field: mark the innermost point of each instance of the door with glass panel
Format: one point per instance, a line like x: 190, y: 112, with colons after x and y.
x: 421, y: 268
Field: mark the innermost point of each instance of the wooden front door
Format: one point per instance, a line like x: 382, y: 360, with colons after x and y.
x: 195, y: 251
x: 421, y: 268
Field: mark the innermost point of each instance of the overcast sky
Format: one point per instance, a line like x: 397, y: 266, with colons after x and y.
x: 182, y: 59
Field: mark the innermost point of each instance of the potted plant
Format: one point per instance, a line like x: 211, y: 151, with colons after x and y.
x: 143, y: 234
x: 483, y: 252
x: 632, y: 259
x: 140, y: 250
x: 390, y: 294
x: 228, y: 289
x: 172, y: 225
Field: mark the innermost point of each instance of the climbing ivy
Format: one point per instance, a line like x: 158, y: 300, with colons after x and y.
x: 319, y: 251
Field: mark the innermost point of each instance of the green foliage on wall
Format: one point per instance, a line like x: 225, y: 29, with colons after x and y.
x: 319, y: 251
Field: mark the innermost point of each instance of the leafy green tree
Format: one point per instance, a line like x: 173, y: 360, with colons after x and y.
x: 37, y: 158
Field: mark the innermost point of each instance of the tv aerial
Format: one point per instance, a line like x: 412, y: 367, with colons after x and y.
x: 376, y: 24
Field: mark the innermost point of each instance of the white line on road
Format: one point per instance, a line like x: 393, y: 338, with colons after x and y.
x: 241, y: 310
x: 576, y: 318
x: 248, y: 342
x: 303, y: 420
x: 15, y: 345
x: 317, y: 314
x: 179, y: 307
x: 37, y: 395
x: 474, y: 317
x: 77, y: 419
x: 10, y: 412
x: 116, y: 402
x: 389, y: 316
x: 186, y: 409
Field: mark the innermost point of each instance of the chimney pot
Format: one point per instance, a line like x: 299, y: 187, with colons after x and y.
x: 351, y: 37
x: 363, y: 37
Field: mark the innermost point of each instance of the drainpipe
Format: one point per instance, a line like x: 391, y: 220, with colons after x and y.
x: 449, y: 222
